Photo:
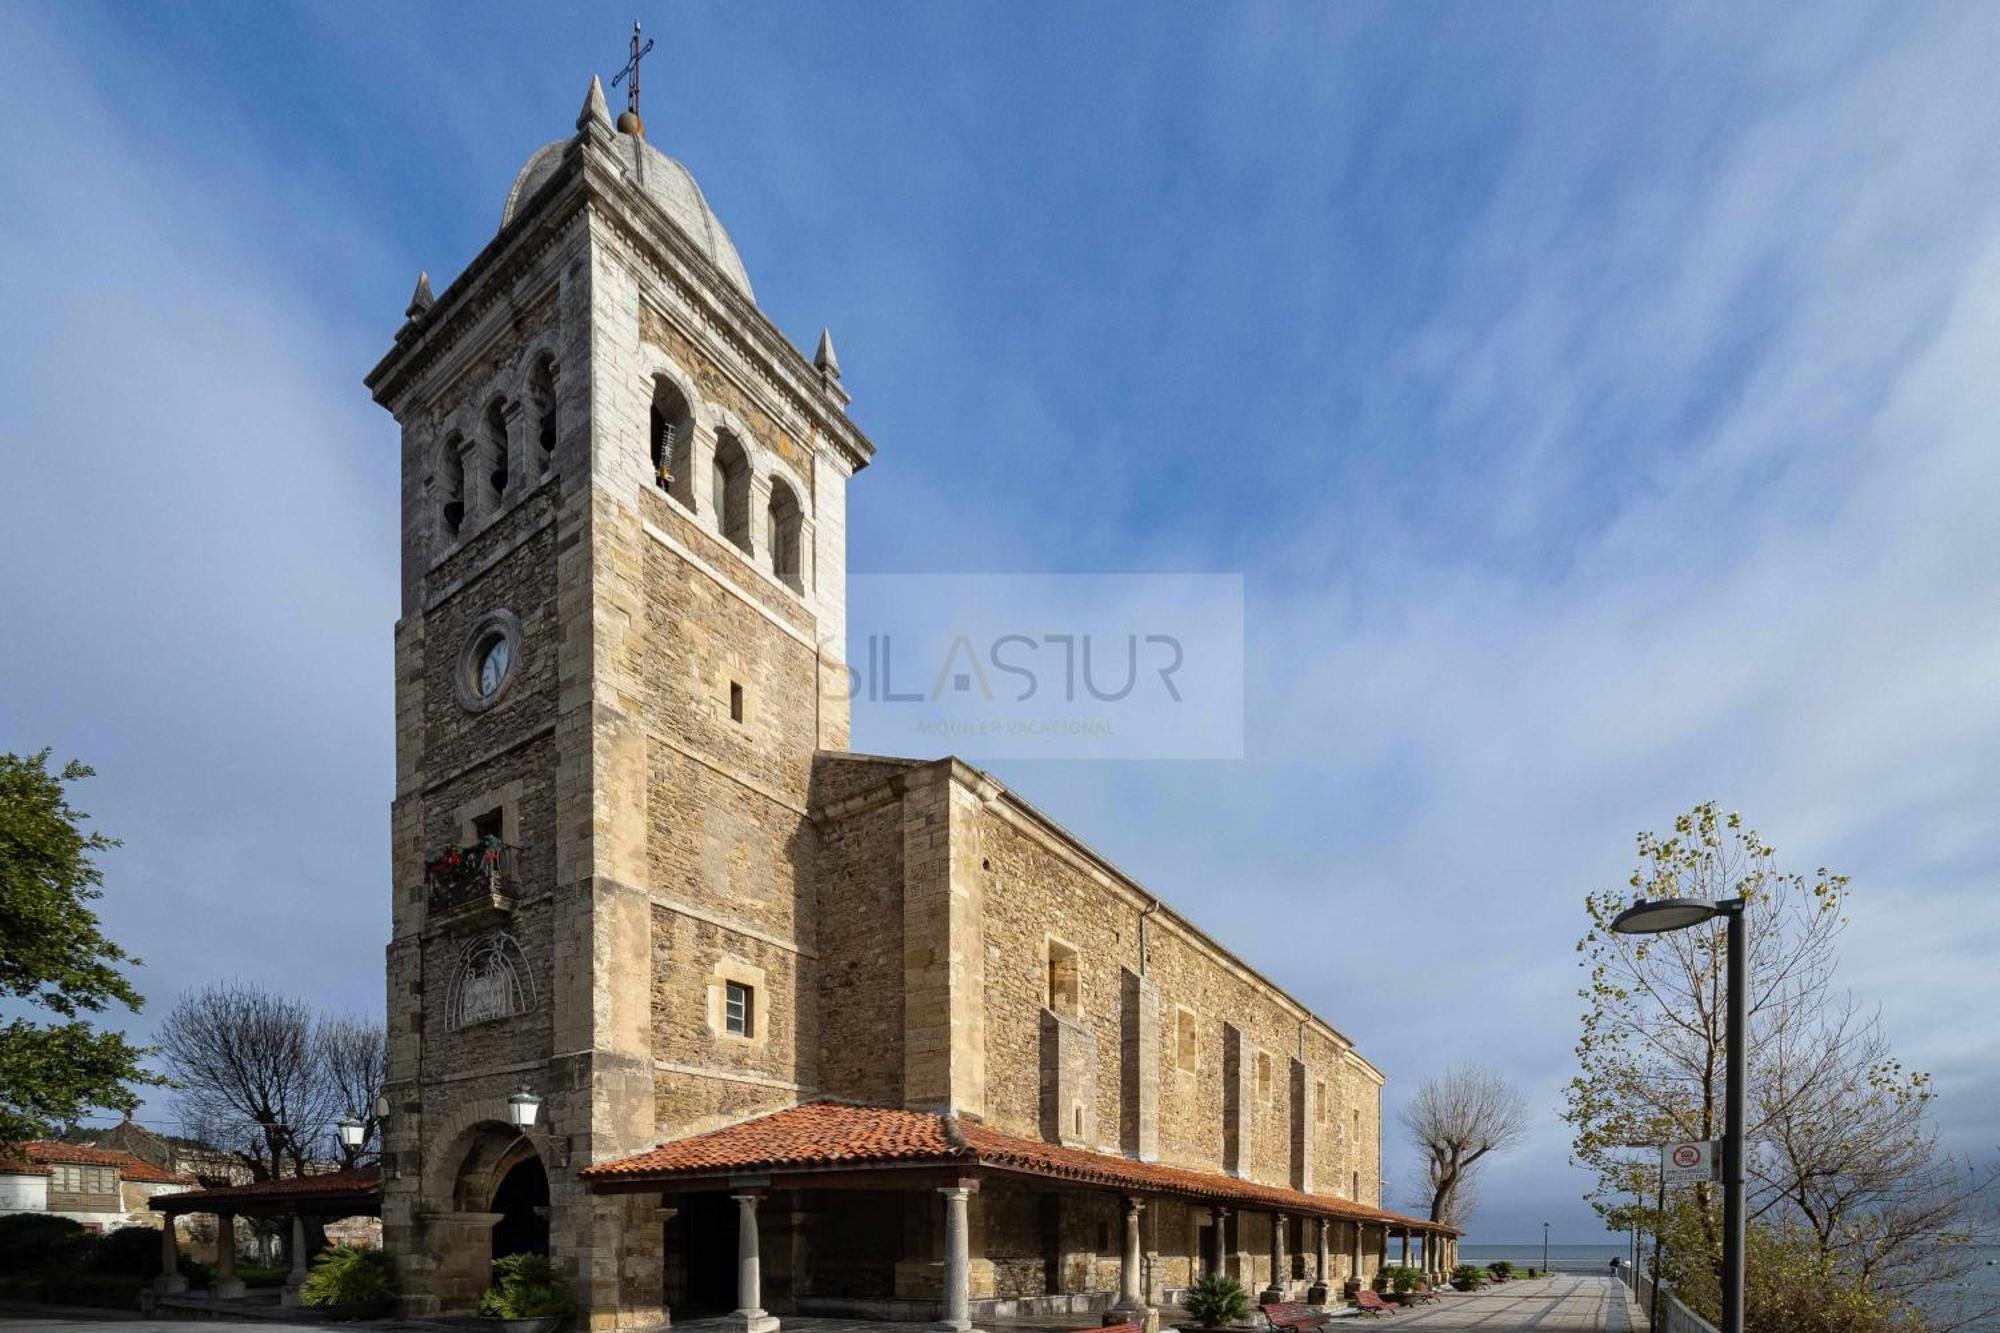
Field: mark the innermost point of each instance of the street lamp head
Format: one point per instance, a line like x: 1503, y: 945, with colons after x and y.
x: 1663, y: 914
x: 352, y: 1132
x: 522, y: 1108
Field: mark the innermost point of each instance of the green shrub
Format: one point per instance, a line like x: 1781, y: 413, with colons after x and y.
x: 38, y: 1242
x: 525, y: 1286
x: 1402, y: 1278
x: 348, y: 1275
x: 131, y: 1251
x: 252, y: 1276
x: 1500, y: 1268
x: 1216, y: 1299
x: 1467, y: 1277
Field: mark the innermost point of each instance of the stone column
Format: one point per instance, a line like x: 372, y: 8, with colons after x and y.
x: 750, y: 1315
x: 1406, y: 1247
x: 297, y: 1276
x: 227, y: 1285
x: 1322, y: 1264
x: 170, y: 1280
x: 1356, y: 1274
x: 1218, y: 1241
x: 1276, y: 1290
x: 957, y: 1260
x: 1131, y: 1277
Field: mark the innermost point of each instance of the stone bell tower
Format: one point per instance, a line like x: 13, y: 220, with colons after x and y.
x: 621, y: 643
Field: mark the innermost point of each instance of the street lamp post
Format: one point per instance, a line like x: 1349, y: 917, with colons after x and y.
x: 1545, y: 1247
x: 1665, y: 914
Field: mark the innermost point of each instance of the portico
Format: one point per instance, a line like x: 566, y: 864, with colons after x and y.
x: 959, y: 1190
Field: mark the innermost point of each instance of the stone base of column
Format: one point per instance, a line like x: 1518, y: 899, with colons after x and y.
x: 1272, y: 1294
x: 1145, y: 1316
x: 751, y: 1321
x: 227, y: 1289
x: 170, y: 1284
x: 1317, y: 1293
x: 289, y: 1296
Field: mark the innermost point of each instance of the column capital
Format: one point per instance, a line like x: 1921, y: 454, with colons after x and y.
x: 1134, y: 1203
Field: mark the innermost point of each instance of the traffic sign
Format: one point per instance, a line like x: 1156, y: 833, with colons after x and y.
x: 1689, y: 1163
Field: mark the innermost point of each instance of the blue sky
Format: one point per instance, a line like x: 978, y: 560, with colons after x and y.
x: 1597, y: 402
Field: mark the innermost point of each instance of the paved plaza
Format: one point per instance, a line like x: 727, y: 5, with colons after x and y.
x: 1564, y: 1302
x: 1560, y: 1301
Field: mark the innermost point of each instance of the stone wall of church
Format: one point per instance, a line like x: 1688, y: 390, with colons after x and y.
x: 731, y: 857
x: 860, y: 934
x: 1044, y: 900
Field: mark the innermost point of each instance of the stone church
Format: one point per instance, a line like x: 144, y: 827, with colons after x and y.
x: 804, y: 1031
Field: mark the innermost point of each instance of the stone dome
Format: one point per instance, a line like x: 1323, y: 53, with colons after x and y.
x: 663, y: 180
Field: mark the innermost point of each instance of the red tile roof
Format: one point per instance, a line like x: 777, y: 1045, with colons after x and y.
x: 52, y: 1151
x: 820, y: 1135
x: 363, y: 1184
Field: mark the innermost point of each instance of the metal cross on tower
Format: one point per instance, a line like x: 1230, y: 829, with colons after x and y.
x: 631, y: 69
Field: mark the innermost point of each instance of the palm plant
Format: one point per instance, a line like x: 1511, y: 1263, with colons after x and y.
x: 1215, y: 1300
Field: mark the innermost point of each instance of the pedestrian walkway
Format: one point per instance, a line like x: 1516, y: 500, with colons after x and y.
x: 1568, y: 1302
x: 1559, y: 1303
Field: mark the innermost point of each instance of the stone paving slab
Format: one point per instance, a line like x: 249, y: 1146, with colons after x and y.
x: 1573, y: 1304
x: 1559, y: 1303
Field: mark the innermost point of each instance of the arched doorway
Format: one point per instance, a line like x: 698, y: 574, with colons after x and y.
x: 499, y: 1192
x: 522, y: 1200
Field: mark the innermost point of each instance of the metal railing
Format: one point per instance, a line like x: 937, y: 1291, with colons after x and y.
x: 1674, y: 1316
x: 482, y: 875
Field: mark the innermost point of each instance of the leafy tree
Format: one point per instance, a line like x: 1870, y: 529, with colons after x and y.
x: 1849, y: 1200
x: 55, y: 958
x: 1456, y: 1121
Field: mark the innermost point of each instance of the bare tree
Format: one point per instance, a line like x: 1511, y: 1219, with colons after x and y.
x: 1850, y: 1161
x: 251, y: 1075
x: 1456, y: 1121
x: 353, y: 1056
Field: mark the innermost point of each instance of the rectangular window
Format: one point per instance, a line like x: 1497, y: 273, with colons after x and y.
x: 1065, y: 980
x: 1354, y: 1186
x: 489, y: 825
x: 1187, y: 1047
x: 738, y: 1009
x: 735, y: 702
x: 1263, y: 1073
x: 1319, y: 1103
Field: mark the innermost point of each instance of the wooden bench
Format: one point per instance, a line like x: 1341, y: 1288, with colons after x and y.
x: 1367, y: 1301
x: 1294, y: 1315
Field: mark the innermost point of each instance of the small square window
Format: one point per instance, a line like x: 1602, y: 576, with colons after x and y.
x: 735, y: 702
x: 738, y: 1009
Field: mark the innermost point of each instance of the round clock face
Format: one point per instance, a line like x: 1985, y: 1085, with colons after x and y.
x: 493, y: 665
